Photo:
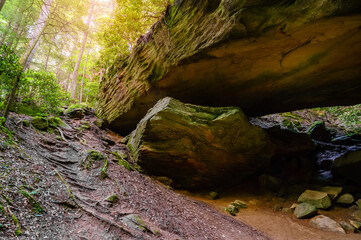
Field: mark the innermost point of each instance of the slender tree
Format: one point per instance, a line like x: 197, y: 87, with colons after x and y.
x: 74, y: 75
x: 82, y: 80
x: 2, y: 2
x: 41, y: 24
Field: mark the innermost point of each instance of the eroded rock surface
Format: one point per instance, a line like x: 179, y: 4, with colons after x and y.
x: 263, y: 56
x: 199, y: 146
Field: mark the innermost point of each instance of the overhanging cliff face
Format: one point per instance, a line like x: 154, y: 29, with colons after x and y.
x: 263, y: 56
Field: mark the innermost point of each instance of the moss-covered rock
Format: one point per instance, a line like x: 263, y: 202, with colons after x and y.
x: 92, y: 156
x: 112, y: 198
x: 263, y: 56
x: 305, y: 210
x: 319, y: 132
x: 232, y: 209
x: 40, y: 123
x: 316, y: 198
x: 198, y: 146
x: 345, y: 200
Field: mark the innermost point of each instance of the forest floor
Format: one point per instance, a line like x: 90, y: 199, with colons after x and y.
x: 46, y: 188
x: 45, y: 185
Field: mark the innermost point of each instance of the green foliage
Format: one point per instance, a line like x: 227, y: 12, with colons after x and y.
x: 42, y: 89
x: 35, y: 205
x: 9, y: 70
x: 40, y: 123
x: 104, y: 169
x: 92, y: 157
x: 132, y: 18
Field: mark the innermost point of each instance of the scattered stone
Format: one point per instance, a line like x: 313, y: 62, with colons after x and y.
x: 232, y: 209
x: 134, y: 221
x: 293, y: 206
x: 277, y: 208
x: 269, y: 182
x: 239, y: 204
x: 346, y: 226
x: 198, y: 147
x: 356, y: 224
x: 305, y: 210
x: 112, y: 198
x: 287, y: 210
x: 319, y: 132
x: 75, y: 113
x: 316, y: 198
x: 345, y: 200
x: 165, y: 180
x: 40, y: 123
x: 358, y: 202
x: 348, y: 166
x: 327, y: 224
x: 213, y: 195
x: 332, y: 192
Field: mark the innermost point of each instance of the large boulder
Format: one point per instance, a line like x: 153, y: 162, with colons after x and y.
x: 316, y: 198
x: 263, y: 56
x: 327, y: 224
x: 349, y: 166
x: 199, y: 147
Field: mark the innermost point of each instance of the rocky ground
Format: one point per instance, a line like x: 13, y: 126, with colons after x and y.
x: 71, y: 181
x: 55, y: 186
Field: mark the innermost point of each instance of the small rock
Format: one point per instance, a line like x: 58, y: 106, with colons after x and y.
x: 75, y: 113
x: 213, y: 195
x: 165, y: 180
x: 345, y: 200
x: 239, y: 204
x: 269, y: 182
x: 305, y: 210
x: 277, y: 208
x: 134, y: 221
x: 358, y: 202
x: 112, y: 198
x: 357, y: 215
x: 327, y: 224
x: 332, y: 192
x: 294, y: 205
x: 287, y: 210
x: 40, y: 123
x: 232, y: 209
x: 346, y: 226
x: 316, y: 198
x: 356, y: 224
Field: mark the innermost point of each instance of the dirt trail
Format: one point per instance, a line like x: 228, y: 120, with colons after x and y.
x: 74, y: 200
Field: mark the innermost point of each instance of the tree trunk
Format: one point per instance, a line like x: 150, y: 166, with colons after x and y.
x: 2, y: 2
x: 11, y: 98
x: 82, y: 80
x: 74, y: 75
x: 47, y: 58
x: 41, y: 24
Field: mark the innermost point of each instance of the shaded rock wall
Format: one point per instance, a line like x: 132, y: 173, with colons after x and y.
x: 263, y: 56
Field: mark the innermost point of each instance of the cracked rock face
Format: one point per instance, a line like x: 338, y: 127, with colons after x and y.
x: 263, y: 56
